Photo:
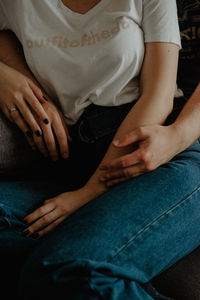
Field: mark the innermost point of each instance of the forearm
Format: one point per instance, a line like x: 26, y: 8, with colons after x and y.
x: 187, y: 124
x: 145, y: 112
x: 11, y: 54
x: 157, y: 85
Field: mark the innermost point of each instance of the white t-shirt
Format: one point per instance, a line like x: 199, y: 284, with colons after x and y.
x: 91, y: 58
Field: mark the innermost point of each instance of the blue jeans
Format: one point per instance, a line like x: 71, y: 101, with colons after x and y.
x: 114, y: 245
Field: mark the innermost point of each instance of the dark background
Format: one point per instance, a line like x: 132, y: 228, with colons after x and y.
x: 189, y: 61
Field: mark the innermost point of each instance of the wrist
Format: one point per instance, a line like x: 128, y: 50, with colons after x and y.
x: 94, y: 188
x: 179, y: 136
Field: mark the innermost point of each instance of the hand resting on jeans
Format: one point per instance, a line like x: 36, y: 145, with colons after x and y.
x: 155, y: 146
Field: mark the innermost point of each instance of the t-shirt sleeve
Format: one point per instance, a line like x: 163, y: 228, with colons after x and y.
x: 160, y: 21
x: 3, y: 20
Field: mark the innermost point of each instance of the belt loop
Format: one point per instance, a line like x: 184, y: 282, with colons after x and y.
x: 84, y: 137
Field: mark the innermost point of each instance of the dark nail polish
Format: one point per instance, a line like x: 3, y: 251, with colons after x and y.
x: 26, y: 232
x: 38, y: 133
x: 29, y: 134
x: 35, y: 235
x: 44, y: 98
x: 46, y: 121
x: 26, y: 222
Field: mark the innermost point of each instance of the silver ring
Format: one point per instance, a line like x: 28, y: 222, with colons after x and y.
x: 11, y: 109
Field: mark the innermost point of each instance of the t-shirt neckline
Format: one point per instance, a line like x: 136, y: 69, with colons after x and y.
x: 67, y: 10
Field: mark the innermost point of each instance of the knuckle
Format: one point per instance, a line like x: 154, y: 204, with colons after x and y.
x: 42, y: 210
x: 149, y: 166
x: 145, y: 157
x: 25, y: 89
x: 61, y: 136
x: 51, y: 147
x: 122, y: 163
x: 49, y: 143
x: 127, y: 173
x: 15, y: 95
x: 141, y: 131
x: 46, y: 219
x: 54, y: 115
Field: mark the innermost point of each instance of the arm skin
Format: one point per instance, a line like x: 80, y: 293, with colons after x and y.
x: 158, y: 82
x: 157, y: 144
x: 187, y: 124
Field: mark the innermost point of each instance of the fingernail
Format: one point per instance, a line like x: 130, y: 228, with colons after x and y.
x: 44, y: 98
x: 116, y: 142
x: 26, y: 232
x: 26, y: 222
x: 38, y: 133
x: 29, y: 134
x: 34, y: 235
x: 46, y: 121
x: 65, y: 155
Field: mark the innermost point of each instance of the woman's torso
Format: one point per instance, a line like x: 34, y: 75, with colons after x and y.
x: 79, y: 59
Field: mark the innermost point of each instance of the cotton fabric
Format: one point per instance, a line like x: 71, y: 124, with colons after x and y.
x: 91, y: 58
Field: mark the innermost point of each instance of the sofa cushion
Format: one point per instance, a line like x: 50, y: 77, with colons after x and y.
x: 16, y: 155
x: 182, y: 280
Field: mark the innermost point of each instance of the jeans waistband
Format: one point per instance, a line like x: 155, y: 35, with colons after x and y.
x: 99, y: 121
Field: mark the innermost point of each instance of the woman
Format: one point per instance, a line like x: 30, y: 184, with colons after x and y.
x: 110, y: 241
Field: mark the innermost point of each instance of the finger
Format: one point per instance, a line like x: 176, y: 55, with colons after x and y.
x: 116, y: 181
x: 50, y: 227
x: 120, y: 180
x: 40, y: 144
x: 35, y: 105
x: 123, y: 161
x: 38, y: 213
x: 65, y: 126
x: 29, y: 117
x: 61, y: 137
x: 129, y: 172
x: 6, y: 112
x: 20, y: 122
x: 43, y: 221
x: 50, y: 142
x: 132, y: 137
x: 38, y: 92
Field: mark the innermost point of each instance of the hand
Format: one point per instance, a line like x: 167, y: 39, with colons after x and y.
x: 53, y: 212
x: 39, y: 120
x: 156, y: 145
x: 55, y: 130
x: 19, y: 92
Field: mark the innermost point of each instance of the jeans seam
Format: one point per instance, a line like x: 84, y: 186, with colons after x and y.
x: 153, y: 222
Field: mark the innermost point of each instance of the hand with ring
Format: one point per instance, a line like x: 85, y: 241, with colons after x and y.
x: 23, y: 103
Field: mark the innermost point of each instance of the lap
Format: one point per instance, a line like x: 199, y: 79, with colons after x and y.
x: 149, y: 222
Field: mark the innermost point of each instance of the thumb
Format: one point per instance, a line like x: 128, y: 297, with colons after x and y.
x: 136, y: 135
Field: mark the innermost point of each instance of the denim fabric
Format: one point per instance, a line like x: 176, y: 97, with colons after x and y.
x: 114, y: 245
